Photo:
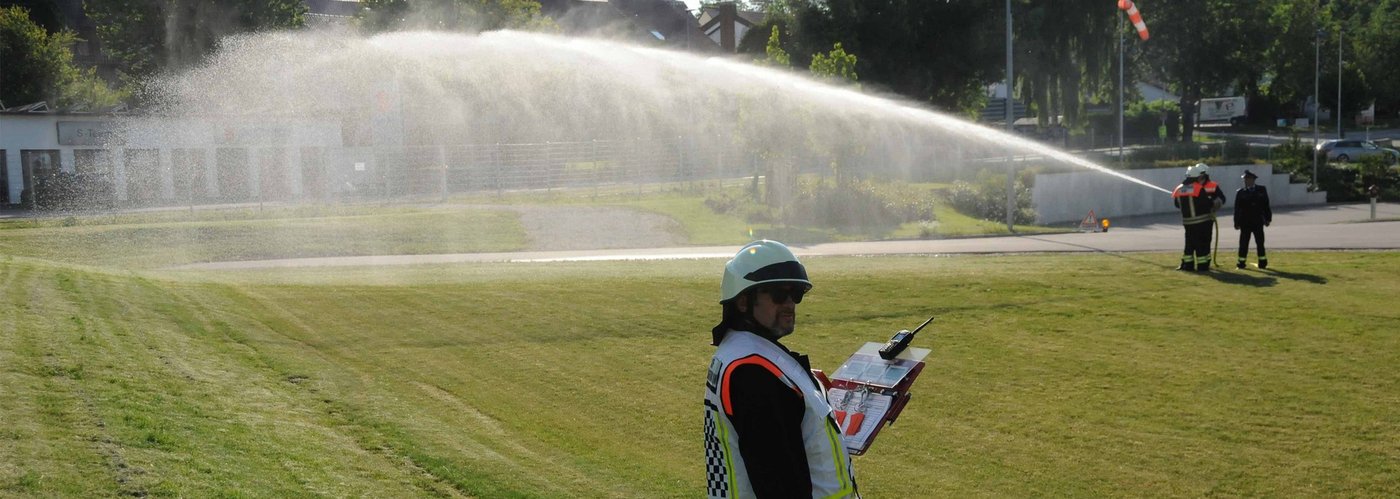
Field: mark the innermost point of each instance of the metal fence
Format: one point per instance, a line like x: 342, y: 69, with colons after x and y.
x: 179, y: 176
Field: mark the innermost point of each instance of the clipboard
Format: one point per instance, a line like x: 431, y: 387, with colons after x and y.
x: 868, y: 393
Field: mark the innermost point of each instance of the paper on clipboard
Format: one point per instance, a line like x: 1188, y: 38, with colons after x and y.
x: 867, y: 391
x: 872, y: 408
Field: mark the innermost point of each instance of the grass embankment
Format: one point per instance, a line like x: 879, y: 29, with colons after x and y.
x: 702, y: 226
x: 1082, y: 375
x: 147, y: 240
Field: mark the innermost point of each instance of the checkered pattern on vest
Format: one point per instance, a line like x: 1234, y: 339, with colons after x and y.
x: 716, y: 473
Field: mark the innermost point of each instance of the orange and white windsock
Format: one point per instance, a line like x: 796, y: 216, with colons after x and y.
x: 1134, y: 16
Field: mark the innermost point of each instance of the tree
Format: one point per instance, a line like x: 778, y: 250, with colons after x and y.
x: 835, y: 65
x: 38, y: 66
x: 454, y: 15
x: 149, y: 36
x: 1377, y: 53
x: 1204, y: 46
x: 1290, y: 55
x: 776, y: 55
x: 1066, y: 49
x: 934, y: 52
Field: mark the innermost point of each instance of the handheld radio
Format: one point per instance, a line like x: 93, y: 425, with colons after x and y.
x: 900, y: 340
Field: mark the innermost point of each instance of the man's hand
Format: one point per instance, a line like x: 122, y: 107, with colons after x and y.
x: 1237, y: 226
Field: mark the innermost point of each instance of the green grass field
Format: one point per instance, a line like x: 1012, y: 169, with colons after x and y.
x: 1051, y: 375
x: 163, y: 239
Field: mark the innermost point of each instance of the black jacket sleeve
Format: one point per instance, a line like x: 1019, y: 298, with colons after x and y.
x: 1267, y: 212
x: 768, y: 419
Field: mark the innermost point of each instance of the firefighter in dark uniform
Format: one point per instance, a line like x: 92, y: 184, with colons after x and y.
x: 1252, y: 214
x: 1198, y: 198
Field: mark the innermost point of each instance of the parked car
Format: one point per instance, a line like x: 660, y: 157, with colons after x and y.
x: 1350, y: 150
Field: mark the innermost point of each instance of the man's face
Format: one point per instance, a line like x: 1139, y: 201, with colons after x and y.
x: 775, y: 307
x: 1249, y: 181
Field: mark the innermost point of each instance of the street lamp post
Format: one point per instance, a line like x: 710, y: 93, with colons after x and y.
x: 1010, y: 128
x: 1340, y: 133
x: 1317, y: 100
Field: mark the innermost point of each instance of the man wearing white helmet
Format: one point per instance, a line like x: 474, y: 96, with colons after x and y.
x: 1198, y: 198
x: 769, y: 429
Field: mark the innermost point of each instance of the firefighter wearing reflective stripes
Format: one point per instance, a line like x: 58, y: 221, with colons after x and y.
x: 1197, y: 197
x: 769, y: 429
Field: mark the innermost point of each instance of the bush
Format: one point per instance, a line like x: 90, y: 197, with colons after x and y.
x: 67, y: 191
x: 986, y: 199
x: 739, y: 203
x: 1143, y: 122
x: 1145, y: 119
x: 1294, y: 158
x: 823, y: 203
x: 1349, y: 182
x: 1236, y: 151
x: 857, y: 204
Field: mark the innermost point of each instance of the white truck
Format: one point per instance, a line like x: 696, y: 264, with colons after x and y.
x: 1221, y: 110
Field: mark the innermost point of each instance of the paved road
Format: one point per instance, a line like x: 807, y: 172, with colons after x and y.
x: 1306, y: 136
x: 1316, y: 228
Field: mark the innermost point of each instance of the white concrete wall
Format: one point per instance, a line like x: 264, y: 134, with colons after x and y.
x: 1068, y: 197
x: 39, y: 131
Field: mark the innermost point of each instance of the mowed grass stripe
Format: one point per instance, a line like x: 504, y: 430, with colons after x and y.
x: 49, y: 443
x: 368, y: 401
x: 448, y: 365
x: 158, y: 408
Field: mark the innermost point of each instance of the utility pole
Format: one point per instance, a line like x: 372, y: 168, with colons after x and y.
x: 1120, y: 89
x: 1010, y: 128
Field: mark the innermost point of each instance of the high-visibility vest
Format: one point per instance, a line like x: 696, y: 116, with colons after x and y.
x: 827, y: 460
x: 1189, y: 198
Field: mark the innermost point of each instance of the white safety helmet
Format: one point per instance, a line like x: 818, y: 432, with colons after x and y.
x: 761, y: 262
x: 1197, y: 170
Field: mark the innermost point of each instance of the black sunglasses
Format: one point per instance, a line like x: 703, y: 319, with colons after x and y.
x: 781, y: 294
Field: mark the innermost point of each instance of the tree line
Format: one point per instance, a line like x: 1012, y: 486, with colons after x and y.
x: 1065, y: 52
x: 941, y: 53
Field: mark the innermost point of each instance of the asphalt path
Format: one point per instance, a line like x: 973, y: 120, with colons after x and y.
x: 1329, y: 227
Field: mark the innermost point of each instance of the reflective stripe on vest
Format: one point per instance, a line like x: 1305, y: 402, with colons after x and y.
x: 757, y: 360
x: 1196, y: 190
x: 1189, y: 197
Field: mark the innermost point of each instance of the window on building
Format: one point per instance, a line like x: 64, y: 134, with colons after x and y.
x: 313, y: 172
x: 234, y: 177
x: 36, y: 165
x: 142, y: 175
x: 93, y: 173
x: 39, y: 163
x: 272, y: 164
x: 189, y: 174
